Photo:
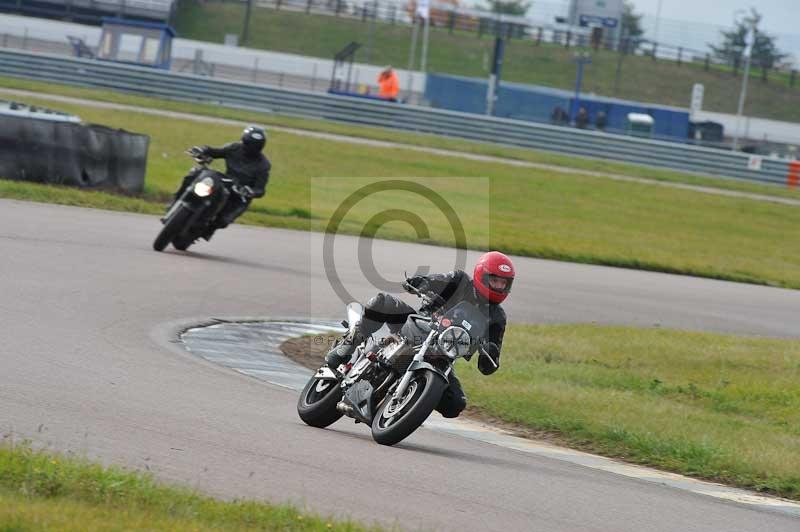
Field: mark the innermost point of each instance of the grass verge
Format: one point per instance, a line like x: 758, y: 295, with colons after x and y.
x: 718, y: 407
x: 525, y: 211
x: 42, y: 491
x: 412, y: 139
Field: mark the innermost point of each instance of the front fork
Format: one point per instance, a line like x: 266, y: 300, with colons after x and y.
x: 173, y: 209
x: 406, y: 380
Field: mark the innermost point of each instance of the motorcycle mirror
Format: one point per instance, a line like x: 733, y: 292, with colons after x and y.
x: 354, y: 313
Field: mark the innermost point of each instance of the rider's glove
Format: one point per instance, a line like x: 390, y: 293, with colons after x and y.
x: 248, y: 192
x: 197, y: 151
x: 489, y: 359
x: 419, y: 282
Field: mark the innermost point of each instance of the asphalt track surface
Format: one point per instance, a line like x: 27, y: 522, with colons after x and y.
x: 90, y: 363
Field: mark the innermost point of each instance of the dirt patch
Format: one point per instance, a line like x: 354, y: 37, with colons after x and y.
x: 308, y: 351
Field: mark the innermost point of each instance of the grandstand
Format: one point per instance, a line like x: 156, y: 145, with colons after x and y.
x: 92, y: 11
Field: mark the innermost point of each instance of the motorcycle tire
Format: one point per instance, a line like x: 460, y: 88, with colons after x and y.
x: 317, y: 403
x: 394, y: 422
x: 182, y: 243
x: 171, y: 229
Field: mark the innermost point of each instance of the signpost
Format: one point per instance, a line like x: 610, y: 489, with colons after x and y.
x: 698, y: 90
x: 582, y: 58
x: 606, y: 22
x: 494, y: 77
x: 424, y: 11
x: 749, y: 40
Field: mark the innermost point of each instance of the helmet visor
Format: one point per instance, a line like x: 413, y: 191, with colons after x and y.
x: 495, y: 283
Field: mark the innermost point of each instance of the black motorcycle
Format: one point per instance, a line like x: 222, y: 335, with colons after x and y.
x: 394, y: 384
x: 194, y: 213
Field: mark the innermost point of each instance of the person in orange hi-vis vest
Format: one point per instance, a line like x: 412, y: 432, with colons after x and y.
x: 389, y: 86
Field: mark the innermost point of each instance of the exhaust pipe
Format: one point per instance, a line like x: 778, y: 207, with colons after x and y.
x: 344, y: 408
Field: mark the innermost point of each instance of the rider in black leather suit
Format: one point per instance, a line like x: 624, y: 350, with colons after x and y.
x: 245, y: 163
x: 452, y: 288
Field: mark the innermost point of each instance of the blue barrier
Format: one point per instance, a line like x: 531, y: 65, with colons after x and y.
x: 535, y: 103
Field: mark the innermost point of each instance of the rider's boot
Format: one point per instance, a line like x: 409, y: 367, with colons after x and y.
x: 344, y: 349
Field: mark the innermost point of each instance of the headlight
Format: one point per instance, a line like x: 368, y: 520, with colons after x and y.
x: 455, y: 342
x: 204, y: 187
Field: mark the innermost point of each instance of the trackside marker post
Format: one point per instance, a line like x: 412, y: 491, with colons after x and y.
x: 793, y: 176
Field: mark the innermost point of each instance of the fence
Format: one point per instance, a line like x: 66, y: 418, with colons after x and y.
x: 208, y: 59
x: 91, y: 11
x: 149, y: 82
x: 632, y: 69
x: 454, y: 19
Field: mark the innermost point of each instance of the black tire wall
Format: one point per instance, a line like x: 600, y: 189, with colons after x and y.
x: 65, y: 153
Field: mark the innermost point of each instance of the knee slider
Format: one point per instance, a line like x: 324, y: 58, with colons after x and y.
x: 376, y: 301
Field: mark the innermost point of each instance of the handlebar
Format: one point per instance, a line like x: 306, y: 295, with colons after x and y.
x: 199, y: 157
x: 204, y: 160
x: 428, y: 298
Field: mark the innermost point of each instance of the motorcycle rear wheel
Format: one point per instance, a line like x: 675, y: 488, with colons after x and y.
x: 395, y: 421
x: 317, y: 403
x: 171, y: 229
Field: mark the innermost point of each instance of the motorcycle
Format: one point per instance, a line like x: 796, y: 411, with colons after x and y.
x: 194, y: 213
x: 394, y: 384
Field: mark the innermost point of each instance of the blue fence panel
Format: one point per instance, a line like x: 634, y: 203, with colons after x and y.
x: 535, y: 103
x: 456, y: 93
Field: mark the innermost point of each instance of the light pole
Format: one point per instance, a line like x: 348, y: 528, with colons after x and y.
x: 425, y: 36
x: 494, y: 77
x: 658, y: 20
x: 246, y: 27
x: 373, y: 13
x: 622, y: 48
x: 749, y: 41
x: 411, y: 54
x: 582, y: 58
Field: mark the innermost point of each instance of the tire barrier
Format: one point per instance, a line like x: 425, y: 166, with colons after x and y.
x: 67, y: 153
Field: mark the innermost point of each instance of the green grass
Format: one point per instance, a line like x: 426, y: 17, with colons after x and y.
x: 528, y: 211
x: 41, y: 491
x: 412, y: 139
x: 719, y: 407
x: 643, y: 79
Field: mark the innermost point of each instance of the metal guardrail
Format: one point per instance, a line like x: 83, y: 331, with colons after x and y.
x: 185, y: 87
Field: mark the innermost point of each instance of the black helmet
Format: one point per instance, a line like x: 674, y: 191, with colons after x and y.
x: 253, y: 139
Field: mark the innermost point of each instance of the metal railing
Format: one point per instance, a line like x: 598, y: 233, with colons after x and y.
x: 92, y: 11
x: 241, y: 95
x: 445, y: 16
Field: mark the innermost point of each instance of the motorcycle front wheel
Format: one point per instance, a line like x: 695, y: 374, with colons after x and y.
x: 182, y: 243
x: 317, y: 403
x: 171, y: 229
x: 396, y: 420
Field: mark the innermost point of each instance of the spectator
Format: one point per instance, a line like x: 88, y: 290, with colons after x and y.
x: 559, y: 116
x: 582, y: 119
x: 389, y: 86
x: 601, y: 120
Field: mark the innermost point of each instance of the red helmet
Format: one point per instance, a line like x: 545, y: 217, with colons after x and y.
x: 493, y: 276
